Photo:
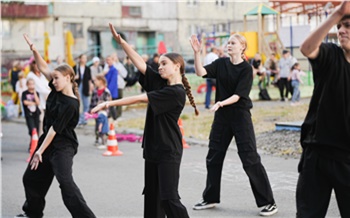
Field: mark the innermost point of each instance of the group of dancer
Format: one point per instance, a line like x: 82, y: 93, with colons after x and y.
x: 325, y: 134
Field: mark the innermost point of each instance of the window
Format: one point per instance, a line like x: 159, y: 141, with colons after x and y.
x: 37, y: 29
x: 5, y: 29
x: 131, y: 11
x: 192, y: 2
x: 75, y: 28
x: 220, y: 3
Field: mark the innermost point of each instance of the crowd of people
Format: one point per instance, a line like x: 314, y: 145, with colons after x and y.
x: 324, y: 165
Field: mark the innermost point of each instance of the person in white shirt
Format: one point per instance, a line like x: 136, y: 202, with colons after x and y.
x: 42, y: 87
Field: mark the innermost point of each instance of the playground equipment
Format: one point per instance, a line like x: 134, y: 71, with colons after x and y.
x: 267, y: 42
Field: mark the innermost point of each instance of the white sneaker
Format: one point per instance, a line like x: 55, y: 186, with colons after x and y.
x: 202, y: 205
x: 269, y: 210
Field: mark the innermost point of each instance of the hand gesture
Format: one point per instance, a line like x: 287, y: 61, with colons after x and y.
x: 116, y: 36
x: 216, y: 106
x: 37, y: 158
x: 99, y: 107
x: 29, y: 42
x: 196, y: 45
x: 344, y: 8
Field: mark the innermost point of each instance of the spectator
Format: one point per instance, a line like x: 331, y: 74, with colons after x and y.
x: 271, y: 66
x: 211, y: 82
x: 21, y: 86
x: 259, y: 70
x: 285, y: 65
x: 42, y: 87
x: 112, y: 84
x: 84, y: 80
x: 132, y: 77
x: 95, y: 68
x: 296, y: 74
x: 30, y: 100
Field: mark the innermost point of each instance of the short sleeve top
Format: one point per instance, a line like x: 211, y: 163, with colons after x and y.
x: 231, y: 79
x: 62, y: 113
x: 162, y: 140
x: 328, y: 119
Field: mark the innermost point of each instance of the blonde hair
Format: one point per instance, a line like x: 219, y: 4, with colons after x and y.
x: 243, y: 42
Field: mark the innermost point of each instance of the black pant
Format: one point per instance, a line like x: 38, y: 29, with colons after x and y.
x: 119, y: 108
x: 318, y: 176
x: 113, y: 111
x: 161, y: 191
x: 235, y: 122
x: 57, y: 163
x: 32, y: 122
x: 283, y: 84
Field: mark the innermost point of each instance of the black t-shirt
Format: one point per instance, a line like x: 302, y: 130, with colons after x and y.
x: 231, y: 79
x: 30, y: 110
x: 327, y: 123
x: 256, y: 63
x: 162, y: 139
x: 62, y: 113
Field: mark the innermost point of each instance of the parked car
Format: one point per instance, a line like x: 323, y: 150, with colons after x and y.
x: 189, y: 66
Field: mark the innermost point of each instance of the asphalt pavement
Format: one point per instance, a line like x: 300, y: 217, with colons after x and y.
x: 112, y: 186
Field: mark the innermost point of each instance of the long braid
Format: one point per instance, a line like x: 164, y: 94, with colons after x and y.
x: 189, y: 93
x: 75, y: 88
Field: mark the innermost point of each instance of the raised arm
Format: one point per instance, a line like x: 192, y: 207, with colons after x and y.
x: 196, y: 46
x: 310, y: 47
x: 42, y: 65
x: 134, y: 56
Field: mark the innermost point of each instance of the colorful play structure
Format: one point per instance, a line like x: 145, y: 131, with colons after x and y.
x: 260, y: 41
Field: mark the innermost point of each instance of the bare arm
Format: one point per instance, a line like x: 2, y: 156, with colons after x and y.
x: 42, y: 65
x: 120, y: 102
x: 38, y: 154
x: 310, y: 47
x: 134, y: 56
x: 196, y: 46
x: 228, y: 101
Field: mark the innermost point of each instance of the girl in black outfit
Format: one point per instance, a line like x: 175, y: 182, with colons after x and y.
x: 57, y: 145
x: 232, y: 118
x: 162, y: 140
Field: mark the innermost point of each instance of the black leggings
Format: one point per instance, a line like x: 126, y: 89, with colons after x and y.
x: 56, y: 163
x: 228, y: 123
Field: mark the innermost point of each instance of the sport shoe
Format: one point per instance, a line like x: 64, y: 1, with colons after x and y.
x: 269, y: 210
x: 21, y: 215
x: 202, y: 205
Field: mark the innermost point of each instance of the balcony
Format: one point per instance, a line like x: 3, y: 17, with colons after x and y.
x: 24, y: 10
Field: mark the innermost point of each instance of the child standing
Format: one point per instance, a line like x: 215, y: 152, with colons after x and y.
x: 30, y: 101
x: 162, y: 139
x: 101, y: 94
x: 296, y: 74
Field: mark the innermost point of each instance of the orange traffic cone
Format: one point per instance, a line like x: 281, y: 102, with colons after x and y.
x: 33, y: 144
x: 112, y: 143
x: 184, y: 143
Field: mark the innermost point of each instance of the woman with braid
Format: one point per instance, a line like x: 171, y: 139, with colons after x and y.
x: 232, y: 118
x: 162, y: 139
x: 57, y: 145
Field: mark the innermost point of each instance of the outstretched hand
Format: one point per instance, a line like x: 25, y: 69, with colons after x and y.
x: 344, y: 8
x: 196, y: 45
x: 99, y: 107
x: 29, y: 42
x: 37, y: 158
x: 116, y: 36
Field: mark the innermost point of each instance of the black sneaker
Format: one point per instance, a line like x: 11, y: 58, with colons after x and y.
x: 269, y: 210
x: 202, y: 205
x: 21, y: 215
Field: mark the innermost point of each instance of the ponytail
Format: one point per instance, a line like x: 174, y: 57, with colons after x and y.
x: 189, y: 93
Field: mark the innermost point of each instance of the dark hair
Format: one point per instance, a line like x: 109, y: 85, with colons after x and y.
x: 285, y: 51
x: 295, y: 65
x: 65, y: 69
x: 178, y: 59
x: 31, y: 66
